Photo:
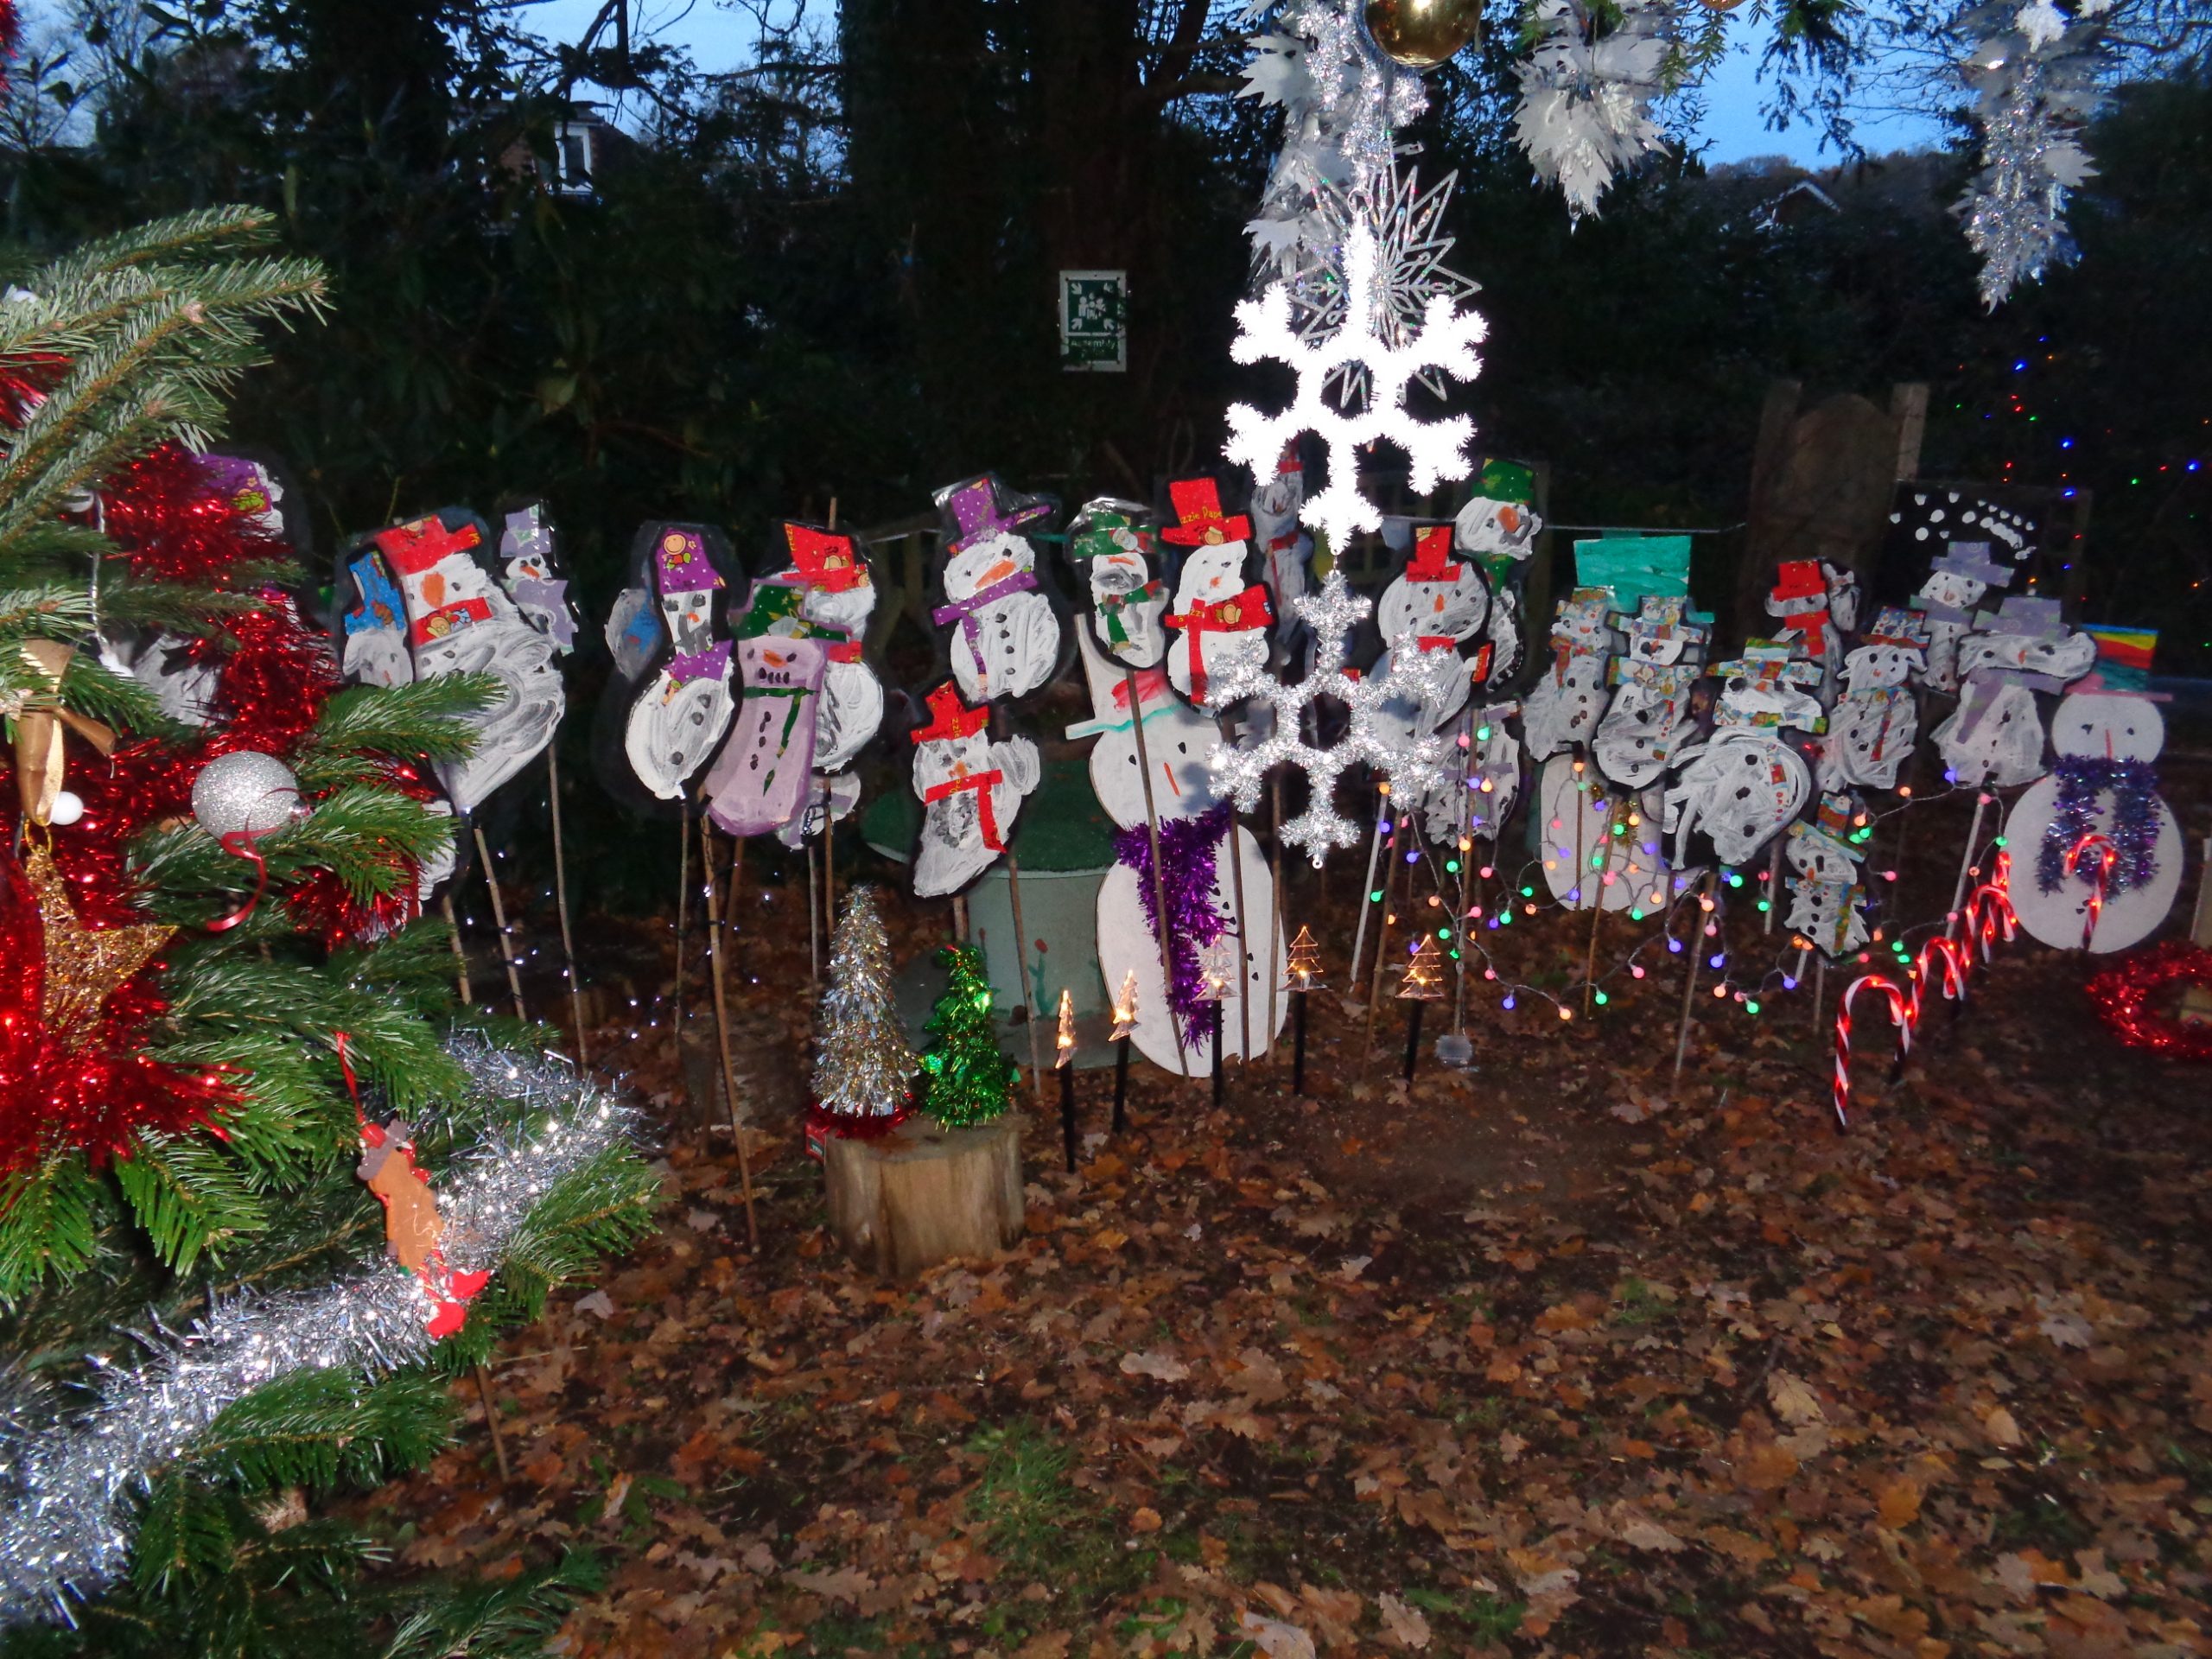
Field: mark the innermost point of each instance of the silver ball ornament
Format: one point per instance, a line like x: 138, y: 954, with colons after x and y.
x: 246, y: 793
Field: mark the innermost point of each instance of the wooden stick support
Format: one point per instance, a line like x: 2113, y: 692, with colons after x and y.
x: 492, y: 1422
x: 1382, y: 936
x: 459, y: 951
x: 1965, y: 861
x: 560, y: 903
x: 1695, y: 949
x: 813, y: 924
x: 1021, y: 967
x: 1275, y: 933
x: 682, y: 919
x: 722, y: 1033
x: 499, y: 921
x: 1366, y: 903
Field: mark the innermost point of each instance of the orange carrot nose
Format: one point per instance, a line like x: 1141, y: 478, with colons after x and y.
x: 1509, y: 518
x: 1437, y: 605
x: 959, y: 770
x: 998, y: 572
x: 1171, y: 783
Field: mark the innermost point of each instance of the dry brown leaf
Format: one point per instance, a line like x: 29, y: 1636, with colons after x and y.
x: 1404, y: 1624
x: 1793, y: 1400
x: 1153, y: 1364
x: 1897, y: 1502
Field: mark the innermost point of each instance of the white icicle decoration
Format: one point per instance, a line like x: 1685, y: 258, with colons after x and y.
x: 2036, y: 81
x: 1586, y: 105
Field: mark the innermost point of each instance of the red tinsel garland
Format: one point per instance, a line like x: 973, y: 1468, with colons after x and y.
x: 2129, y: 998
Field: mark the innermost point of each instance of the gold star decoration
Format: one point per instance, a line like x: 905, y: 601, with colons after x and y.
x: 84, y: 966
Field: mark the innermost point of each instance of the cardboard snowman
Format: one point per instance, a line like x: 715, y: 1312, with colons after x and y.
x: 1652, y: 677
x: 1995, y: 737
x: 2106, y: 738
x: 1742, y: 784
x: 837, y: 598
x: 1875, y: 722
x: 1945, y: 602
x: 1600, y: 847
x: 1565, y: 705
x: 1112, y: 547
x: 1493, y: 779
x: 375, y: 625
x: 760, y: 779
x: 1195, y: 831
x: 1005, y: 640
x: 970, y: 789
x: 1284, y: 548
x: 1435, y: 604
x: 1498, y: 527
x: 1218, y: 619
x: 1816, y: 604
x: 1827, y: 901
x: 530, y: 570
x: 461, y: 621
x: 684, y: 709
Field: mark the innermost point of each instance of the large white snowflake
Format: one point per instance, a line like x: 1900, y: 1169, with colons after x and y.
x: 1436, y: 449
x: 1415, y: 770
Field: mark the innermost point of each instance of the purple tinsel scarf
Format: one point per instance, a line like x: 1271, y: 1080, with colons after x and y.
x: 1188, y: 847
x: 2134, y: 830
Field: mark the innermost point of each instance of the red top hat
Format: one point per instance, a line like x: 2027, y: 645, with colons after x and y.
x: 950, y: 717
x: 1799, y: 579
x: 1198, y: 504
x: 1432, y: 560
x: 826, y: 559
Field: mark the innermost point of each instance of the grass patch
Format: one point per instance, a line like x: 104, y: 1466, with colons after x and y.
x: 1035, y: 1520
x: 1490, y: 1618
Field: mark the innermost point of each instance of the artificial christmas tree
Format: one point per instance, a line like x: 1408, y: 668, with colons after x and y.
x: 212, y: 1006
x: 966, y: 1080
x: 862, y: 1065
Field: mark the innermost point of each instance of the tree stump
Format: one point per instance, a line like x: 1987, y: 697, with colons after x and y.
x: 903, y: 1202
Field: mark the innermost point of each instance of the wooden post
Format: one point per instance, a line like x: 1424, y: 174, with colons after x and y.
x: 1021, y: 967
x: 499, y: 920
x: 1773, y: 884
x: 1275, y: 933
x: 813, y: 923
x: 721, y: 1031
x: 682, y: 913
x: 1696, y: 949
x: 1382, y: 934
x: 1966, y: 859
x: 561, y: 902
x: 1159, y: 876
x: 829, y: 858
x: 1374, y: 850
x: 460, y: 952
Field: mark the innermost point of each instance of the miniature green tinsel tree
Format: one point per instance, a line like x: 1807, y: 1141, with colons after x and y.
x: 965, y: 1079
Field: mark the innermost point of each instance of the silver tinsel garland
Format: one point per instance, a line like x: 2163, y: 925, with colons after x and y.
x: 863, y: 1068
x: 2035, y: 73
x: 68, y: 1488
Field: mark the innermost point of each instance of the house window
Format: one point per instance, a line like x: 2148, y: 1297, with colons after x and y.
x: 572, y: 158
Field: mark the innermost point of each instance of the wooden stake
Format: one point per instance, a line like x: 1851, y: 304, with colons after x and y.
x: 1695, y: 949
x: 1774, y: 885
x: 1275, y: 933
x: 828, y: 861
x: 813, y: 924
x: 682, y: 916
x: 1021, y: 967
x: 492, y: 1422
x: 499, y: 920
x: 1382, y: 934
x: 1231, y: 847
x: 721, y: 1032
x: 1966, y: 859
x: 1374, y: 851
x: 1159, y: 876
x: 561, y: 902
x: 960, y: 918
x: 460, y: 952
x: 730, y: 925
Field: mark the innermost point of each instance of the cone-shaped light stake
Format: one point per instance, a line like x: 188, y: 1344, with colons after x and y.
x: 1423, y: 985
x: 1304, y: 967
x: 1219, y: 962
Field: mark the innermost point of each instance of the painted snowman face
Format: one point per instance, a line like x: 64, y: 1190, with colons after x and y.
x: 1485, y: 526
x: 2103, y: 727
x: 689, y: 615
x: 1820, y: 860
x: 1743, y: 788
x: 951, y: 759
x: 986, y: 564
x: 1452, y: 610
x: 1212, y: 573
x: 1949, y: 588
x: 1581, y: 626
x: 1873, y: 668
x: 1178, y: 741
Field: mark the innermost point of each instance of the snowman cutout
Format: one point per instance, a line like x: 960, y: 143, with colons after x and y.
x: 2106, y: 738
x: 1827, y: 901
x: 1743, y: 784
x: 1219, y: 620
x: 633, y: 632
x: 1498, y: 527
x: 1178, y: 741
x: 459, y: 621
x: 1284, y: 548
x: 1664, y: 657
x: 838, y: 596
x: 679, y: 718
x: 1493, y: 781
x: 529, y: 573
x: 1946, y: 603
x: 970, y: 789
x: 1876, y: 723
x: 1110, y: 541
x: 1565, y: 705
x: 1816, y: 605
x: 1006, y: 641
x: 760, y: 780
x: 1601, y: 848
x: 375, y: 627
x: 1995, y: 737
x: 1435, y: 604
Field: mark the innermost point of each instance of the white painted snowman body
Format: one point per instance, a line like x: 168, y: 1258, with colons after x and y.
x: 1213, y: 577
x: 1876, y: 723
x: 1005, y: 645
x: 2113, y: 726
x: 958, y: 828
x: 1584, y: 863
x: 1566, y: 704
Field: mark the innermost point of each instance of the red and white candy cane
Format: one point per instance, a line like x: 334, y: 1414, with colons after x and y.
x: 1947, y: 955
x: 2107, y: 857
x: 1900, y: 1016
x: 1989, y: 910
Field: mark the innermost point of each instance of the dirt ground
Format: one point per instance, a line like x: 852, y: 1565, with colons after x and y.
x: 1550, y: 1356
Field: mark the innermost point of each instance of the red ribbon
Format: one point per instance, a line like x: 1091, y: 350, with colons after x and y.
x: 1252, y: 611
x: 1150, y: 683
x: 239, y: 844
x: 981, y: 782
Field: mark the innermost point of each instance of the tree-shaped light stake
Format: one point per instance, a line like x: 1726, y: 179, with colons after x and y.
x: 1414, y: 675
x: 1423, y: 984
x: 1436, y: 449
x: 1064, y: 1062
x: 1125, y: 1025
x: 1219, y: 963
x: 1304, y: 968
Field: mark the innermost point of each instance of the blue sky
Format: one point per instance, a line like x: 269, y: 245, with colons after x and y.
x: 1733, y: 128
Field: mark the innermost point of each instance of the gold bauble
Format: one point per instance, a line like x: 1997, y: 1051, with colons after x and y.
x: 1421, y: 34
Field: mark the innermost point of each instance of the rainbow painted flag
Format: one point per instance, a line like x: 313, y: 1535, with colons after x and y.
x: 2124, y: 655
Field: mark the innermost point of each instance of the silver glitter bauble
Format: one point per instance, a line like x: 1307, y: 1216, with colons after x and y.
x: 245, y: 793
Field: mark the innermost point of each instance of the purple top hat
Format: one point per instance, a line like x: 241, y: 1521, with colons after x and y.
x: 681, y: 556
x: 1972, y: 561
x: 975, y: 512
